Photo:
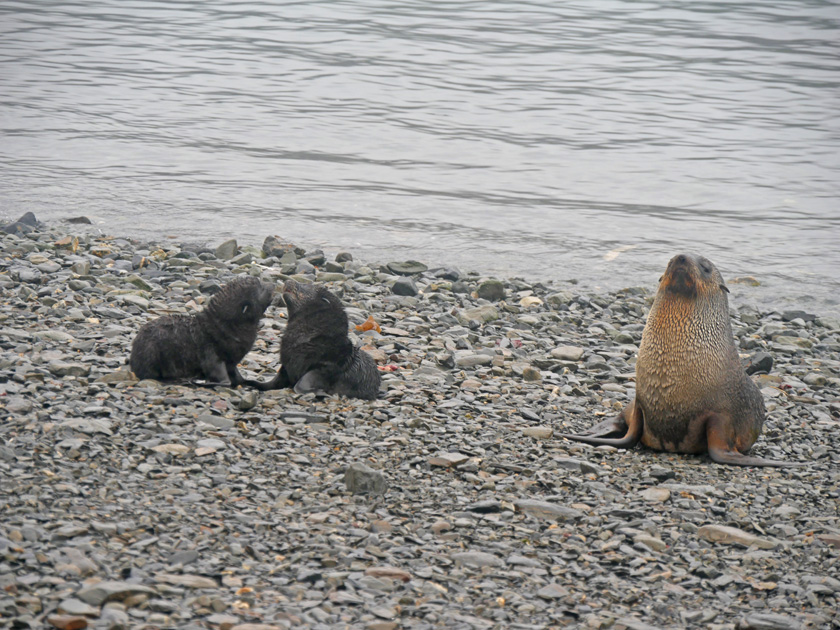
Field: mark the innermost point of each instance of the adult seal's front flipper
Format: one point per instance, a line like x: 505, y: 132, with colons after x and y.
x: 607, y: 433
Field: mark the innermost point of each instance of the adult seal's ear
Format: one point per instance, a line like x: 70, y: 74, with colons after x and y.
x: 692, y: 394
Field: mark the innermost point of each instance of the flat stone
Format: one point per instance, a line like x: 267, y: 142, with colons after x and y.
x: 124, y: 375
x: 650, y: 542
x: 547, y: 511
x: 171, y: 449
x: 70, y: 531
x: 54, y: 335
x: 223, y: 621
x: 541, y: 433
x: 530, y: 301
x: 89, y: 426
x: 567, y: 353
x: 184, y: 557
x: 407, y: 268
x: 734, y: 536
x: 211, y: 443
x: 77, y: 607
x: 477, y: 559
x: 579, y: 465
x: 63, y: 368
x: 469, y: 359
x: 656, y: 495
x: 445, y: 460
x: 830, y: 539
x: 190, y: 581
x: 219, y: 422
x: 18, y: 404
x: 552, y: 591
x: 361, y: 479
x: 768, y: 621
x: 799, y: 342
x: 68, y: 622
x: 111, y: 590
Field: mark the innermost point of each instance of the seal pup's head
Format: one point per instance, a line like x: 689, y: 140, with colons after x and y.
x: 243, y: 299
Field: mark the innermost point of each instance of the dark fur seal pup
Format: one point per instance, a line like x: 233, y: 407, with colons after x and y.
x: 692, y: 394
x: 316, y: 353
x: 208, y: 344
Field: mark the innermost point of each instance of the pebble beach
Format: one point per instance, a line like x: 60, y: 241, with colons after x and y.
x: 449, y: 502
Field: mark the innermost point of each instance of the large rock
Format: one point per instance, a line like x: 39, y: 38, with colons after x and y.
x: 63, y: 368
x: 492, y: 290
x: 227, y: 250
x: 482, y: 314
x: 407, y: 268
x: 361, y: 479
x: 768, y: 621
x: 547, y: 511
x: 567, y: 353
x: 734, y: 536
x: 23, y: 225
x: 405, y: 286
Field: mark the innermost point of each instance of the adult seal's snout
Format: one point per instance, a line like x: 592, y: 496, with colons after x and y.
x: 692, y: 394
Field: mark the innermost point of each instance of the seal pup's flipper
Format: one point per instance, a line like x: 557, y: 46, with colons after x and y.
x: 723, y: 451
x: 600, y: 434
x: 280, y: 381
x: 312, y: 381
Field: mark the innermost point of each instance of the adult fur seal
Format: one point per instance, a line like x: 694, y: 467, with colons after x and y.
x: 692, y: 394
x: 208, y: 344
x: 315, y: 352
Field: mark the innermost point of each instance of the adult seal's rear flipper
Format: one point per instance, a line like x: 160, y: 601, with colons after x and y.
x: 723, y: 449
x: 607, y: 433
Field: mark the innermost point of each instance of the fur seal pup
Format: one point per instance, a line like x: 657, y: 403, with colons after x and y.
x: 208, y: 344
x: 692, y: 394
x: 315, y: 351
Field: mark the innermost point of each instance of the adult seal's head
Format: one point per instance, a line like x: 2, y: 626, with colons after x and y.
x: 692, y: 394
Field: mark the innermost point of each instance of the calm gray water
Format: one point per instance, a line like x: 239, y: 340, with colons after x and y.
x: 529, y: 138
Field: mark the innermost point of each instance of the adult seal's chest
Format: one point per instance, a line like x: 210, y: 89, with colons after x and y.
x: 681, y: 370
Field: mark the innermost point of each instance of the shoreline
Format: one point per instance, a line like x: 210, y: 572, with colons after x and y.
x: 592, y: 271
x: 143, y: 504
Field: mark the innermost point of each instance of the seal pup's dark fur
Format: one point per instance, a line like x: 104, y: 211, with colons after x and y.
x: 208, y: 344
x: 315, y: 353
